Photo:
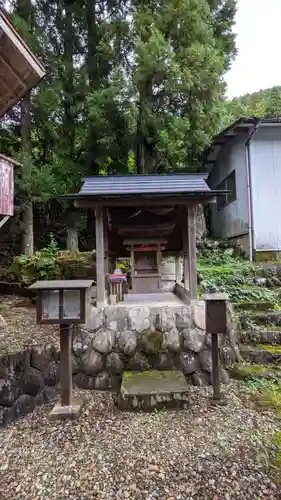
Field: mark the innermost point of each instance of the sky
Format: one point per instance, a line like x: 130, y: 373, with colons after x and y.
x: 258, y: 63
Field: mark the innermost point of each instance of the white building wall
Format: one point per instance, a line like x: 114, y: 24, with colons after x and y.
x: 265, y: 153
x: 232, y: 220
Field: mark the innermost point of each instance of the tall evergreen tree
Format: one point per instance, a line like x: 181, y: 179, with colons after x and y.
x: 181, y: 52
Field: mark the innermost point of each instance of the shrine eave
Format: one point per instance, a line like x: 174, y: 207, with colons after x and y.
x: 134, y: 189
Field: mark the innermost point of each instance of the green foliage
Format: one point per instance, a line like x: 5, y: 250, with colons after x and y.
x: 181, y: 52
x: 262, y: 104
x: 52, y: 263
x: 130, y: 86
x: 222, y: 269
x: 265, y: 392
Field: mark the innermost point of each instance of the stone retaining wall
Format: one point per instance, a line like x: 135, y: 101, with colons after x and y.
x: 27, y: 379
x: 114, y: 340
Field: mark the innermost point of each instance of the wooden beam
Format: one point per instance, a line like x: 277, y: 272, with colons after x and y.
x: 100, y: 256
x: 185, y: 248
x: 66, y: 365
x: 178, y: 268
x: 159, y: 260
x: 133, y: 270
x: 192, y: 264
x: 4, y: 220
x: 145, y: 203
x: 105, y: 232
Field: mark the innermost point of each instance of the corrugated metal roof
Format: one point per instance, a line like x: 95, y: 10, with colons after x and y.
x: 144, y: 184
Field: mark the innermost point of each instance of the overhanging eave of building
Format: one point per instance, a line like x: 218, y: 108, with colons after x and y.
x: 20, y: 69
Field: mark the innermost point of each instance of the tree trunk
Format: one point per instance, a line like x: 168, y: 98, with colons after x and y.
x: 68, y: 78
x: 93, y: 68
x: 72, y: 233
x: 28, y: 236
x: 145, y: 150
x: 27, y: 216
x: 72, y: 242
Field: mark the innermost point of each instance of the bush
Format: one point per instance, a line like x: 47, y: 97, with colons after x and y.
x: 52, y: 263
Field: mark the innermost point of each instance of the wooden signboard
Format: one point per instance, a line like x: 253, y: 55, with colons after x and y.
x: 6, y: 186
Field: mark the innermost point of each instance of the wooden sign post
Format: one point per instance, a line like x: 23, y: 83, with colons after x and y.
x: 63, y: 303
x: 216, y: 323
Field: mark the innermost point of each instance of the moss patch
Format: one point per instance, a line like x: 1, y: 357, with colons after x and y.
x: 147, y: 375
x: 244, y: 372
x: 254, y: 306
x: 267, y: 256
x: 153, y: 382
x: 273, y: 349
x: 151, y: 342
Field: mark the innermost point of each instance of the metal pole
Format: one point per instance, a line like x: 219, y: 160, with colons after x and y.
x: 65, y: 365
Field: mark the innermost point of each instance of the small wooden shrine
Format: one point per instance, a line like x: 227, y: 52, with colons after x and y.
x: 144, y: 218
x: 146, y: 257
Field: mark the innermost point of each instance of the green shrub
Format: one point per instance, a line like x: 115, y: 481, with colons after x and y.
x: 52, y: 263
x: 223, y: 270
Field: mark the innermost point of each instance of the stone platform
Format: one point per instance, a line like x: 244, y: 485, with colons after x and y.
x: 150, y: 390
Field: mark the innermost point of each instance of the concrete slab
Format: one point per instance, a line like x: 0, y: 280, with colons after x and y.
x: 146, y: 391
x: 71, y: 412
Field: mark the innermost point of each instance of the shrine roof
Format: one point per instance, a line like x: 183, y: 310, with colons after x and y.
x: 113, y: 186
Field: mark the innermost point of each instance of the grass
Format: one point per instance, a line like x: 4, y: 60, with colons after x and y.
x: 266, y: 395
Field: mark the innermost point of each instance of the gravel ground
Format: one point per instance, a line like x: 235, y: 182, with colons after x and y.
x: 21, y: 330
x: 199, y: 453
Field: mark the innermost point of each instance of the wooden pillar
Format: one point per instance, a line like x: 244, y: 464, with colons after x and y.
x: 178, y: 268
x: 100, y: 256
x: 133, y: 270
x: 106, y: 250
x: 185, y: 247
x: 192, y: 262
x: 65, y: 365
x: 159, y: 260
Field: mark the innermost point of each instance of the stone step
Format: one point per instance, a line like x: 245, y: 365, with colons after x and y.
x: 260, y: 318
x: 271, y: 337
x: 255, y: 371
x: 254, y: 306
x: 151, y: 390
x: 263, y: 354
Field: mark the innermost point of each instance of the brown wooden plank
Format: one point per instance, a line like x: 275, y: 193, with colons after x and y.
x: 100, y: 267
x: 166, y: 201
x: 185, y: 248
x: 192, y: 264
x: 178, y: 269
x: 106, y: 252
x: 65, y: 365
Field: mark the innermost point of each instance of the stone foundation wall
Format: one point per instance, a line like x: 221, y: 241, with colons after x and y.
x: 114, y: 340
x: 138, y: 338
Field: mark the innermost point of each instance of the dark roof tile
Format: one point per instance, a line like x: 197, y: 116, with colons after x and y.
x: 144, y: 184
